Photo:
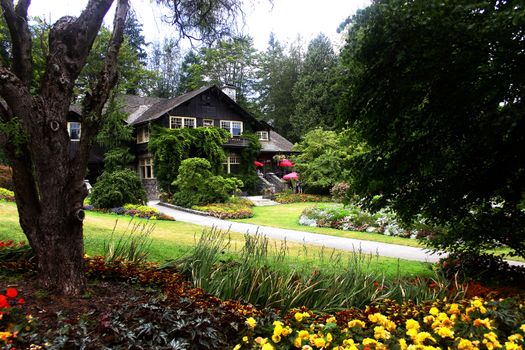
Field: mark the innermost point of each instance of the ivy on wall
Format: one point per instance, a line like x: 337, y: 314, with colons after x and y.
x: 248, y: 155
x: 170, y: 147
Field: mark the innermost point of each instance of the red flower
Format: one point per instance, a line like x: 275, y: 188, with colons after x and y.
x: 21, y: 301
x: 376, y: 284
x: 11, y: 293
x: 3, y: 302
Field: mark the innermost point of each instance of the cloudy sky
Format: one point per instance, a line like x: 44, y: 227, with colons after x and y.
x: 286, y: 18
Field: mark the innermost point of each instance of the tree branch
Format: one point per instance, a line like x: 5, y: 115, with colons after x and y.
x: 94, y: 103
x: 70, y: 41
x: 16, y: 19
x: 14, y: 92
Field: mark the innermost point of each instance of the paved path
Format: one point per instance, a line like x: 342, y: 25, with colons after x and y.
x: 259, y: 201
x: 382, y: 249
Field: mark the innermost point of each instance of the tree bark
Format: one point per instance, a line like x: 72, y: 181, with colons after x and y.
x: 49, y: 186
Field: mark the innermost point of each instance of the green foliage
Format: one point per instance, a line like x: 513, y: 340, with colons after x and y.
x: 316, y: 91
x: 277, y: 74
x: 267, y: 277
x: 439, y: 101
x: 246, y: 171
x: 170, y: 147
x: 117, y: 188
x: 324, y: 158
x: 16, y: 135
x: 196, y: 184
x: 290, y: 197
x: 163, y: 63
x: 132, y: 246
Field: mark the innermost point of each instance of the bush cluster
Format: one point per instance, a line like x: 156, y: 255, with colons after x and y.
x: 114, y: 189
x: 197, y: 185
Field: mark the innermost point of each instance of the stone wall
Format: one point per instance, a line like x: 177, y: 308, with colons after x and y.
x: 152, y: 190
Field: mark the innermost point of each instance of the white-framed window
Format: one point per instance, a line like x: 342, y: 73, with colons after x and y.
x: 207, y: 123
x: 262, y: 135
x: 143, y: 134
x: 74, y: 129
x: 234, y: 127
x: 231, y: 159
x: 146, y: 168
x: 182, y: 122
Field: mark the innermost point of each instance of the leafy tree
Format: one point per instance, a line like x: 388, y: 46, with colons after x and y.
x: 49, y: 183
x: 439, y: 100
x: 324, y: 158
x: 191, y: 73
x: 164, y: 63
x: 316, y: 91
x: 133, y: 35
x: 277, y: 75
x: 116, y: 188
x: 170, y: 147
x: 196, y: 184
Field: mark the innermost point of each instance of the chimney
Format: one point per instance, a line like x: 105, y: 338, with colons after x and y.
x: 231, y: 91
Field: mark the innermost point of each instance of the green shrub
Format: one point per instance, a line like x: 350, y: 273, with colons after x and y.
x: 6, y: 177
x: 290, y: 197
x: 118, y: 188
x: 197, y: 185
x: 7, y: 195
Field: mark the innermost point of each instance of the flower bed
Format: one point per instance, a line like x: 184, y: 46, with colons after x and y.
x: 471, y: 324
x: 353, y: 218
x: 7, y: 195
x: 133, y: 210
x: 12, y: 318
x: 289, y: 197
x: 234, y: 209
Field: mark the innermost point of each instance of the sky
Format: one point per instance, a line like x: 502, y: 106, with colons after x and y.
x: 285, y: 18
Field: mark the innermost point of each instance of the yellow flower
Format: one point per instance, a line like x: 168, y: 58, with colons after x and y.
x: 454, y: 309
x: 245, y: 339
x: 381, y: 333
x: 412, y: 324
x: 298, y: 316
x: 331, y: 320
x: 522, y: 327
x: 297, y: 342
x: 369, y: 341
x: 250, y: 321
x: 412, y: 332
x: 267, y: 346
x: 403, y: 344
x: 485, y: 323
x: 465, y: 344
x: 237, y: 347
x: 512, y: 346
x: 445, y: 332
x: 286, y: 330
x: 304, y: 334
x: 319, y: 342
x: 276, y: 338
x: 434, y: 311
x: 428, y: 319
x: 356, y: 323
x: 420, y: 338
x: 515, y: 338
x: 329, y: 337
x: 491, y: 341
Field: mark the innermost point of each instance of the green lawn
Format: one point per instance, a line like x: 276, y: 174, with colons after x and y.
x: 171, y: 240
x: 287, y: 216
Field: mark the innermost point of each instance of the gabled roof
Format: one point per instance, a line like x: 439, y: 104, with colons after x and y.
x: 164, y: 106
x: 277, y: 143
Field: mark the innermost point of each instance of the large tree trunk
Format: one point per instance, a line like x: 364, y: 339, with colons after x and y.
x: 49, y: 183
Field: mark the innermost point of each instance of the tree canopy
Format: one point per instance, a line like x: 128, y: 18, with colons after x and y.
x: 436, y: 89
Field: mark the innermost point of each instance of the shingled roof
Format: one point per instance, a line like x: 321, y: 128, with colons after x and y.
x: 277, y: 143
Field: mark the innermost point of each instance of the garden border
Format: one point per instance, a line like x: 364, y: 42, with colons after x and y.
x: 188, y: 210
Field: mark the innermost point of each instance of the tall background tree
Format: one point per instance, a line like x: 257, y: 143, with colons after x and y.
x: 436, y: 89
x: 49, y: 183
x: 315, y: 92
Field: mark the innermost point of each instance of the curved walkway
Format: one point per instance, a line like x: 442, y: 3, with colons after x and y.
x: 382, y: 249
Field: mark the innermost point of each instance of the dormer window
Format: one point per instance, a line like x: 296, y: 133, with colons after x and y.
x: 262, y: 135
x: 234, y: 127
x: 182, y: 122
x: 74, y: 129
x: 143, y: 134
